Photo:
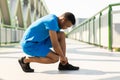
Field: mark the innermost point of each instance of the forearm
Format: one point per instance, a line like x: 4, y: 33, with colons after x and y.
x: 55, y: 43
x: 58, y: 49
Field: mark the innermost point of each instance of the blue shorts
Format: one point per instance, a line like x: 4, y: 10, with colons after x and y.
x: 38, y: 49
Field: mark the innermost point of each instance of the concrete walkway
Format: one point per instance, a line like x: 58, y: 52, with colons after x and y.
x: 95, y: 64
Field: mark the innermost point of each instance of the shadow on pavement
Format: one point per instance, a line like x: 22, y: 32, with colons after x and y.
x: 82, y: 72
x: 1, y: 79
x: 79, y: 72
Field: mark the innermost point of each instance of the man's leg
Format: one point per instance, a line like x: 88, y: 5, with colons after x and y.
x: 67, y: 66
x: 25, y: 61
x: 50, y: 58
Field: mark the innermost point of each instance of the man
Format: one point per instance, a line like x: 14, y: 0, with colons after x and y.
x: 44, y: 34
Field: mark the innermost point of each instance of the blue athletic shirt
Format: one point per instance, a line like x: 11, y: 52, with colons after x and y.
x: 39, y: 30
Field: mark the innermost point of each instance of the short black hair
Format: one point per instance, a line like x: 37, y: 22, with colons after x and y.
x: 70, y: 16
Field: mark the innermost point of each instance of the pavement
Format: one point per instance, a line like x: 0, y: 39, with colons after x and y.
x: 95, y: 64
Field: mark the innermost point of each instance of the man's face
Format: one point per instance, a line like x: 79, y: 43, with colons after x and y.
x: 64, y: 24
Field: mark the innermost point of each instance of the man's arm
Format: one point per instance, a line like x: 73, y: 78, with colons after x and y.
x: 55, y: 43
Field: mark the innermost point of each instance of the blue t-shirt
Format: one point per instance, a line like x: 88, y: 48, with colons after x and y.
x: 39, y: 30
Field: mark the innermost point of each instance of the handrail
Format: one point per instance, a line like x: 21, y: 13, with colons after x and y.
x: 100, y: 14
x: 117, y: 4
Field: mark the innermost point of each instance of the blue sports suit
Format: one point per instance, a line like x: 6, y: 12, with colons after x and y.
x: 36, y: 40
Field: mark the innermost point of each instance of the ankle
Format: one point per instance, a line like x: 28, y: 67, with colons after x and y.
x: 25, y: 60
x: 63, y: 63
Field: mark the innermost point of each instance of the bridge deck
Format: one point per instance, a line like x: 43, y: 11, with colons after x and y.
x: 95, y: 64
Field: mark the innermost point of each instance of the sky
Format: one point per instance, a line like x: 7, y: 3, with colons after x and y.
x: 81, y: 8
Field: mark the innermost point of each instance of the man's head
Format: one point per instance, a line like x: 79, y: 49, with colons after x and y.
x: 66, y: 20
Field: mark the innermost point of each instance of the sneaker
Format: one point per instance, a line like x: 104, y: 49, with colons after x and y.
x: 67, y: 67
x: 25, y: 66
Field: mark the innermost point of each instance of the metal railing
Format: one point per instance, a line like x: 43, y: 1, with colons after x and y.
x: 16, y: 16
x: 10, y: 34
x: 102, y: 29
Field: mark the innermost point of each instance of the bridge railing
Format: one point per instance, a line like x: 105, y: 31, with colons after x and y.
x: 16, y: 16
x: 10, y: 34
x: 102, y: 29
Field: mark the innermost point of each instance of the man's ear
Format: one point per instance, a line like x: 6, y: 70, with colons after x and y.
x: 64, y: 19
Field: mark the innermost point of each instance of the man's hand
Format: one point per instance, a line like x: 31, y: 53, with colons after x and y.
x: 63, y: 60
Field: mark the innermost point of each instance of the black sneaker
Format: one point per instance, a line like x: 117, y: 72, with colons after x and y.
x: 67, y: 67
x: 25, y: 66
